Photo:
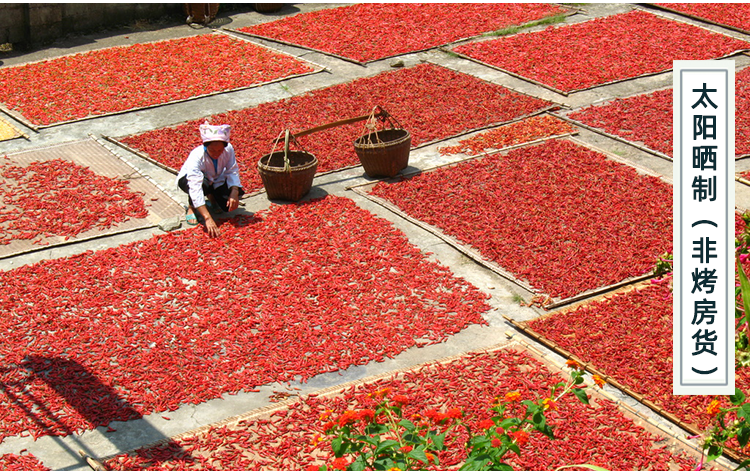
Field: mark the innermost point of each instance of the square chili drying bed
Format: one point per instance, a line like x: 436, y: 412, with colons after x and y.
x: 74, y: 191
x: 125, y: 78
x: 291, y: 435
x: 557, y: 218
x: 429, y: 101
x: 289, y: 293
x: 580, y: 56
x: 730, y: 15
x: 647, y: 118
x: 372, y: 31
x: 626, y: 338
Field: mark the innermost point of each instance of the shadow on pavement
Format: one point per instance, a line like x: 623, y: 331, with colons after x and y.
x: 60, y: 397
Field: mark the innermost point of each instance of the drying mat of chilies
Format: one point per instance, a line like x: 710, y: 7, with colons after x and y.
x: 734, y: 16
x: 626, y: 338
x: 647, y: 118
x: 601, y: 51
x: 120, y: 79
x: 287, y: 435
x: 376, y: 31
x: 72, y: 192
x: 521, y: 214
x: 427, y: 99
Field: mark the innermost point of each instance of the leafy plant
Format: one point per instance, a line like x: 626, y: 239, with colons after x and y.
x: 382, y: 438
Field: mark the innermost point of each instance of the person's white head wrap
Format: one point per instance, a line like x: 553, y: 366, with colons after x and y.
x: 210, y: 133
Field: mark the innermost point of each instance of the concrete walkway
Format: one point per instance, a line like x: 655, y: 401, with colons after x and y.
x: 62, y: 453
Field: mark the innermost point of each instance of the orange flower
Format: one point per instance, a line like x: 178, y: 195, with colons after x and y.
x: 339, y: 463
x: 380, y: 393
x: 520, y: 437
x: 454, y: 413
x: 406, y: 449
x: 713, y: 408
x: 430, y: 457
x: 549, y: 404
x: 400, y: 399
x: 366, y: 415
x: 598, y: 380
x: 486, y: 423
x: 348, y: 417
x: 514, y: 396
x: 573, y: 364
x: 394, y: 469
x: 435, y: 415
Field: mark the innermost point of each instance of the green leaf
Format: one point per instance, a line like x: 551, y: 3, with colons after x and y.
x: 418, y: 455
x: 474, y: 464
x: 385, y: 445
x: 480, y: 441
x: 376, y: 429
x: 336, y: 446
x: 539, y: 420
x: 358, y: 465
x: 408, y: 425
x: 514, y: 448
x: 744, y: 411
x: 439, y: 441
x: 738, y: 397
x: 510, y: 422
x: 743, y: 435
x: 371, y: 440
x: 714, y: 451
x: 581, y: 395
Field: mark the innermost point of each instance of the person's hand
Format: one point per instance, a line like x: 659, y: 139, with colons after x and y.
x: 211, y: 227
x: 234, y: 200
x: 209, y: 223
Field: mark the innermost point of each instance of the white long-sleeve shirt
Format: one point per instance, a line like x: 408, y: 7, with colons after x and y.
x: 199, y: 166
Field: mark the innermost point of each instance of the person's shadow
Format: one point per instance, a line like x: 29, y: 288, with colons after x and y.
x: 79, y: 399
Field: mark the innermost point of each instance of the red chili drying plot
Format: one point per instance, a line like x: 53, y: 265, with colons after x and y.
x: 124, y: 78
x: 602, y: 50
x: 181, y: 318
x: 647, y: 118
x: 11, y: 462
x: 557, y: 214
x: 60, y: 198
x: 736, y: 15
x: 428, y: 100
x: 630, y: 339
x: 526, y: 130
x: 372, y: 31
x: 595, y: 434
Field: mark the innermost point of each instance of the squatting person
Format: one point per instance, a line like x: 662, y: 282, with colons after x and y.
x: 210, y: 176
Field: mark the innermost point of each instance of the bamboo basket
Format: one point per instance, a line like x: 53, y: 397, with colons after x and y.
x: 384, y: 153
x: 287, y: 175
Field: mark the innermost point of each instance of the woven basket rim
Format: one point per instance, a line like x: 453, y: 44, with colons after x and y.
x: 375, y: 145
x: 292, y: 168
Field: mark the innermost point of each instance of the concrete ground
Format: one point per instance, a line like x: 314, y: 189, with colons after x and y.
x: 62, y: 453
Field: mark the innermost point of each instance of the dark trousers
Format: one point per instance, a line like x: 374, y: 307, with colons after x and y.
x: 220, y: 193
